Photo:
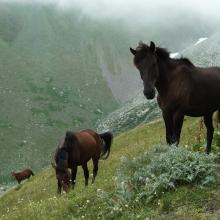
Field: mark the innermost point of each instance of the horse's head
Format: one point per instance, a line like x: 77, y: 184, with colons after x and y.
x: 145, y: 60
x: 63, y: 177
x: 62, y: 172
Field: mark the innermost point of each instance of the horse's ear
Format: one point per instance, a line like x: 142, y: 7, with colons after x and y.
x: 69, y: 134
x: 53, y: 165
x: 152, y: 46
x: 133, y: 51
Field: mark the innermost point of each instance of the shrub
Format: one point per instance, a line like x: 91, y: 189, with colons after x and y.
x: 148, y: 176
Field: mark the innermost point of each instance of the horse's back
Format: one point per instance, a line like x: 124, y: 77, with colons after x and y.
x: 200, y: 91
x: 88, y: 143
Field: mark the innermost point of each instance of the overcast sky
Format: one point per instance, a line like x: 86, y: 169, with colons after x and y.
x: 136, y: 8
x: 141, y: 7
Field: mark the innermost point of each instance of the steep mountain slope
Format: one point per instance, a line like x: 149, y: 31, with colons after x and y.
x: 50, y: 82
x: 136, y: 111
x: 62, y: 70
x: 206, y: 53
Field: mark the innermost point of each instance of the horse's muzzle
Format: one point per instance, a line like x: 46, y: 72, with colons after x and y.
x: 149, y: 94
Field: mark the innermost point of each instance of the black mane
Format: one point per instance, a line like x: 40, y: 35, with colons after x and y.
x: 162, y: 53
x: 186, y: 61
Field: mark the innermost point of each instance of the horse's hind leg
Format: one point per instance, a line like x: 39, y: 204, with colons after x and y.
x: 210, y: 131
x: 59, y: 186
x: 86, y: 173
x: 95, y: 168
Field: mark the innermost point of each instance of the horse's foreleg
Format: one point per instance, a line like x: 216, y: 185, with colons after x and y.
x: 178, y: 123
x: 95, y: 168
x: 74, y: 172
x: 86, y: 173
x: 59, y: 186
x: 210, y: 131
x: 168, y: 120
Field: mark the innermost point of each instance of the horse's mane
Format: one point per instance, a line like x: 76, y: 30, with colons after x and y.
x: 162, y: 53
x: 165, y: 55
x: 142, y: 48
x: 186, y: 61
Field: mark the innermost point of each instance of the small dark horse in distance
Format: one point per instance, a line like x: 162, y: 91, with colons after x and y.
x: 183, y: 89
x: 22, y: 175
x: 76, y: 150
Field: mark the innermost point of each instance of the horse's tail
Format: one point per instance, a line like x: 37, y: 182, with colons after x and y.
x: 107, y: 139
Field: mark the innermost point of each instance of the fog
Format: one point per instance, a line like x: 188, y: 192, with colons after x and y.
x: 137, y: 10
x: 161, y: 20
x: 142, y: 8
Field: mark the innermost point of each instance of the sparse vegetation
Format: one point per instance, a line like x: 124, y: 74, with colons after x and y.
x: 37, y: 197
x: 146, y: 178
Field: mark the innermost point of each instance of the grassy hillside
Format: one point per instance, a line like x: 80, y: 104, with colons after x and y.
x: 37, y: 198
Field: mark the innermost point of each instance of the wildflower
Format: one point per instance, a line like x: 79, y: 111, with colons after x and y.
x: 126, y: 205
x: 87, y: 201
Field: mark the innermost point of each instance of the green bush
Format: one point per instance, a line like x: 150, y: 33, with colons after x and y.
x: 147, y: 177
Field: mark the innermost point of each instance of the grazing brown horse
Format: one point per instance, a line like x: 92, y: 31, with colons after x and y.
x: 22, y: 175
x: 183, y: 89
x: 76, y: 150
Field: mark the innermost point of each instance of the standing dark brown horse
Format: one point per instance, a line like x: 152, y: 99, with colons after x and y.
x: 183, y: 89
x: 76, y: 150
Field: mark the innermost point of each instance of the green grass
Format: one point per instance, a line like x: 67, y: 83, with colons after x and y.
x: 37, y: 197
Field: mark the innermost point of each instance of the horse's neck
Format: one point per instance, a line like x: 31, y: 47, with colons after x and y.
x: 165, y: 76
